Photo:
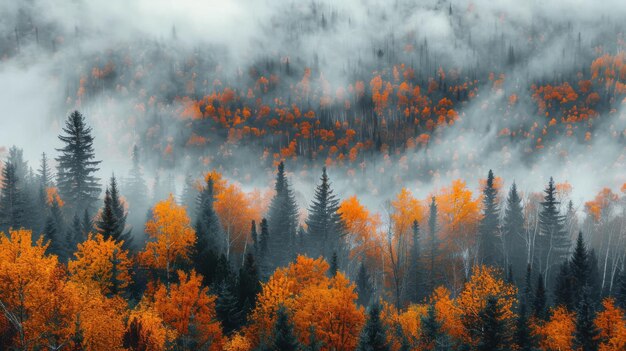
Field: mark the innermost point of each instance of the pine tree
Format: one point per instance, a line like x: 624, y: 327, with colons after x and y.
x: 539, y: 301
x: 283, y: 222
x: 53, y: 232
x: 620, y: 294
x: 493, y: 335
x: 227, y: 308
x: 12, y: 200
x: 586, y: 333
x: 44, y: 173
x: 45, y: 179
x: 488, y: 246
x: 580, y: 269
x: 248, y: 285
x: 554, y: 241
x: 325, y: 226
x: 112, y: 222
x: 283, y: 338
x: 74, y: 235
x: 190, y: 194
x: 373, y: 336
x: 255, y: 237
x: 513, y: 232
x: 414, y: 276
x: 363, y: 286
x: 563, y: 287
x: 524, y: 338
x: 137, y: 191
x: 209, y: 234
x: 434, y: 244
x: 264, y: 237
x: 432, y: 337
x: 332, y: 271
x: 78, y: 186
x: 87, y: 224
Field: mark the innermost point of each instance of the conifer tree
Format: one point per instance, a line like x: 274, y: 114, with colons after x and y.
x: 283, y: 337
x: 255, y: 237
x: 432, y: 337
x: 493, y: 336
x: 137, y: 190
x: 433, y: 244
x: 620, y: 294
x: 524, y: 338
x: 363, y: 286
x: 374, y: 335
x: 553, y: 241
x: 488, y: 245
x: 539, y: 301
x: 414, y: 277
x: 74, y: 235
x: 283, y: 222
x: 513, y: 232
x: 248, y: 285
x: 87, y: 224
x: 580, y: 269
x: 209, y: 234
x: 586, y: 333
x: 227, y: 308
x: 12, y: 200
x: 325, y: 226
x: 563, y: 287
x: 112, y: 221
x: 78, y: 185
x: 332, y: 271
x: 190, y: 194
x: 54, y: 230
x: 313, y: 343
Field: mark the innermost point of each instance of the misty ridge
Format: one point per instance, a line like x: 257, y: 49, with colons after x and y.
x: 438, y: 175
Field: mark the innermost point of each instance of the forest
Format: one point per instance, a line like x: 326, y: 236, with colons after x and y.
x: 312, y: 175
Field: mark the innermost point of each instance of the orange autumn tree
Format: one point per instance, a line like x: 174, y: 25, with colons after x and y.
x: 459, y: 214
x: 233, y: 208
x: 101, y: 263
x: 31, y: 282
x: 328, y: 305
x: 558, y: 332
x: 171, y: 237
x: 149, y: 329
x: 362, y: 227
x: 611, y: 322
x: 189, y: 310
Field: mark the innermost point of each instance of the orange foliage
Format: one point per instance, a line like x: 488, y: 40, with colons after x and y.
x: 557, y: 333
x: 612, y: 325
x: 601, y: 203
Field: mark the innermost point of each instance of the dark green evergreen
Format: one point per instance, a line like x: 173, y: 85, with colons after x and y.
x: 363, y: 286
x: 553, y: 243
x: 12, y: 200
x: 540, y: 306
x: 432, y: 337
x: 374, y: 334
x: 283, y: 336
x: 227, y: 308
x: 414, y: 279
x: 76, y: 180
x: 325, y: 226
x: 513, y: 233
x: 564, y: 288
x: 494, y: 331
x: 208, y: 235
x: 586, y: 333
x: 283, y: 222
x: 524, y: 338
x: 248, y: 284
x: 488, y: 238
x: 112, y: 222
x: 433, y: 243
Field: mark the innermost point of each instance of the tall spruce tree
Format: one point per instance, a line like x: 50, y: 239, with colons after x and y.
x: 433, y: 243
x: 494, y: 331
x: 432, y: 337
x: 283, y: 222
x: 227, y: 308
x: 112, y: 222
x: 45, y: 181
x: 54, y: 230
x: 524, y: 338
x: 513, y: 233
x: 283, y: 337
x: 540, y: 308
x: 563, y: 287
x: 414, y: 276
x: 264, y: 238
x: 586, y: 332
x: 325, y: 226
x: 363, y: 286
x: 554, y: 242
x: 209, y: 234
x: 78, y: 185
x: 137, y: 190
x: 12, y: 200
x: 255, y: 237
x: 374, y: 334
x: 580, y: 269
x: 248, y: 285
x: 489, y: 238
